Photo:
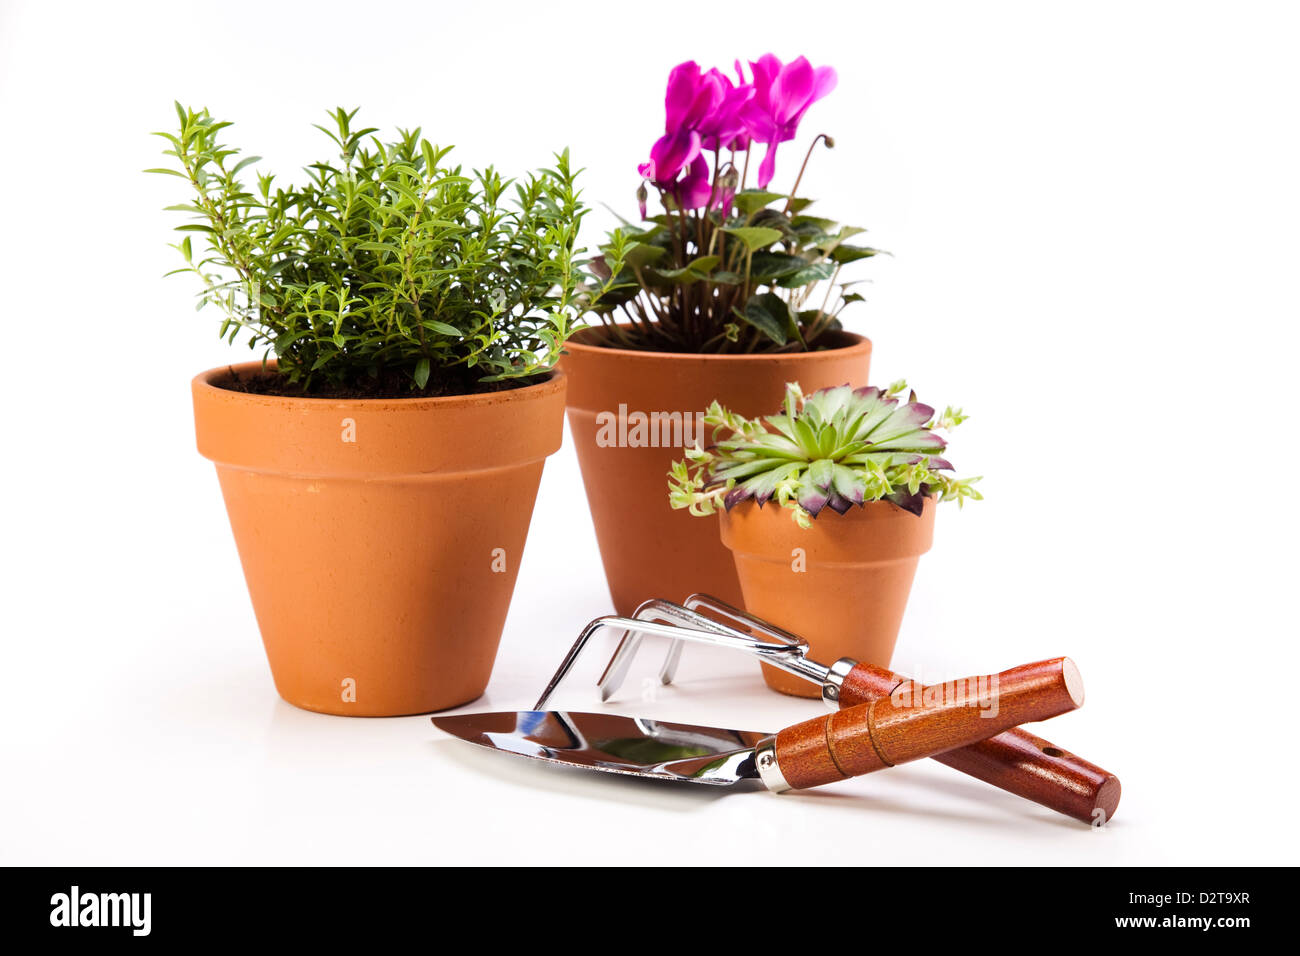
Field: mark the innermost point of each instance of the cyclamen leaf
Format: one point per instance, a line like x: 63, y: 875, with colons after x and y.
x: 749, y: 201
x: 807, y: 276
x: 852, y: 253
x: 767, y: 266
x: 754, y: 237
x: 769, y: 314
x: 696, y: 270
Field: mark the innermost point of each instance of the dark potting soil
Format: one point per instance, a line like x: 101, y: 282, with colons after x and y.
x: 387, y: 385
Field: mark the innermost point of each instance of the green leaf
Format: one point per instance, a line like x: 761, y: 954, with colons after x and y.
x: 807, y: 276
x: 641, y: 255
x: 442, y: 328
x: 421, y: 374
x: 813, y: 225
x: 749, y: 201
x: 754, y: 237
x: 845, y: 253
x: 694, y: 272
x: 768, y: 266
x: 770, y: 314
x: 168, y: 172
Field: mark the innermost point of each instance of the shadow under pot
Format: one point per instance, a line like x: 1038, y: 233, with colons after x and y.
x: 380, y: 538
x: 842, y: 584
x: 632, y: 412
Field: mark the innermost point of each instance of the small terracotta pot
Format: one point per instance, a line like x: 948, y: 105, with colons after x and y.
x: 648, y: 549
x: 842, y: 584
x: 380, y: 539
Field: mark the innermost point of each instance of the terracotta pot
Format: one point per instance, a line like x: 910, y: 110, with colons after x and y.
x: 842, y: 584
x: 648, y: 549
x: 380, y: 539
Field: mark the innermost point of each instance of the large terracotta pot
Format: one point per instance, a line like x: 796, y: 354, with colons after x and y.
x: 842, y: 584
x: 648, y: 549
x: 380, y: 539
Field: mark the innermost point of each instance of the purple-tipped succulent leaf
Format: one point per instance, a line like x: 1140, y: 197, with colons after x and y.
x: 735, y: 496
x: 908, y: 501
x: 837, y: 448
x: 839, y: 504
x: 812, y: 499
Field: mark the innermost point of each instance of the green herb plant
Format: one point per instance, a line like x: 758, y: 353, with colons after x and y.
x: 388, y: 265
x: 835, y: 448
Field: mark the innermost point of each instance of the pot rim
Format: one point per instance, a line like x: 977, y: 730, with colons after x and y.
x: 205, y: 382
x: 855, y: 342
x: 767, y: 533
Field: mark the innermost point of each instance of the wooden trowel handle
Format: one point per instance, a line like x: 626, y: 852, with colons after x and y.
x: 915, y: 721
x: 1015, y: 761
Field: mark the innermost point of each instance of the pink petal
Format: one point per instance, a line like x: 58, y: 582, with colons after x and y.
x: 694, y: 191
x: 824, y: 82
x: 672, y: 152
x: 767, y: 169
x: 791, y: 91
x: 683, y: 86
x: 765, y: 69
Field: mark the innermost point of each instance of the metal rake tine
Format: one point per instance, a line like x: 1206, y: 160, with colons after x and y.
x: 669, y: 668
x: 766, y: 628
x: 617, y: 669
x: 785, y: 651
x: 719, y: 606
x: 600, y: 623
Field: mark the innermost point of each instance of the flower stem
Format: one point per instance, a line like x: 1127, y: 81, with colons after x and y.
x: 799, y: 178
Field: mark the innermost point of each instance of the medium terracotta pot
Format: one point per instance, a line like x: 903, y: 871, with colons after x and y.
x: 842, y: 584
x: 380, y: 539
x: 648, y: 549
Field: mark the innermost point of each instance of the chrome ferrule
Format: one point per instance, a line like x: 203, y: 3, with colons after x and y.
x: 769, y: 768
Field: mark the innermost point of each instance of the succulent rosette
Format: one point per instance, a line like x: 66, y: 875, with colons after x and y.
x: 836, y: 448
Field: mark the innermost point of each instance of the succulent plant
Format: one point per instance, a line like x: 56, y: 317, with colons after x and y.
x: 835, y: 448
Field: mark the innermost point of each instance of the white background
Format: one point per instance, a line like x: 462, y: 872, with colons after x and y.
x: 1093, y: 212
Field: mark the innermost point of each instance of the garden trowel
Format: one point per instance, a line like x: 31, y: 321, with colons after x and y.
x: 903, y: 726
x: 1015, y: 761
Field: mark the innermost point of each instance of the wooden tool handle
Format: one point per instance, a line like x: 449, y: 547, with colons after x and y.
x: 916, y: 721
x: 1015, y: 761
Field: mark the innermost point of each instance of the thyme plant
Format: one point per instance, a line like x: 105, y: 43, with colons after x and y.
x: 388, y: 267
x: 835, y: 448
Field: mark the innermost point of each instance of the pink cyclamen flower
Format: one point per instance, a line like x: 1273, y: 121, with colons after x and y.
x: 670, y: 154
x: 696, y: 104
x: 782, y: 94
x: 721, y: 126
x: 692, y: 96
